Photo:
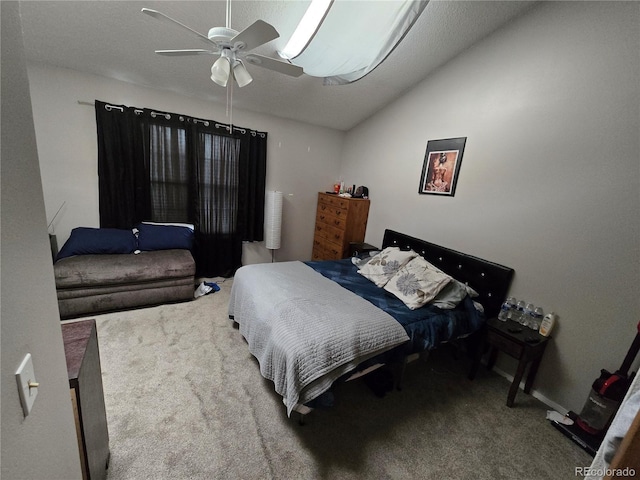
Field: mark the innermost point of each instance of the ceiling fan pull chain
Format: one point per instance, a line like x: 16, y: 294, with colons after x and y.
x: 230, y: 105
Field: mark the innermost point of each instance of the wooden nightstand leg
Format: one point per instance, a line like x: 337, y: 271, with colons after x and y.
x: 493, y: 354
x: 532, y: 375
x: 516, y: 383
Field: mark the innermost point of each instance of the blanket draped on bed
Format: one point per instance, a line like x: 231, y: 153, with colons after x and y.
x: 428, y: 326
x: 305, y: 330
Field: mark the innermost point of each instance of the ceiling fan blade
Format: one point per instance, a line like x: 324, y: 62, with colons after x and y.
x: 179, y: 53
x: 275, y: 65
x: 161, y: 16
x: 256, y: 34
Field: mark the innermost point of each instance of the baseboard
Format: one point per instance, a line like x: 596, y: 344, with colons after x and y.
x: 536, y: 394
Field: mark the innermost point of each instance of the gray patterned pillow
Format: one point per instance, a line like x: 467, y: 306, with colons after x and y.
x: 417, y: 283
x: 452, y: 294
x: 384, y: 265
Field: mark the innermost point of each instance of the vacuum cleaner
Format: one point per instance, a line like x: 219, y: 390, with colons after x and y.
x: 607, y: 393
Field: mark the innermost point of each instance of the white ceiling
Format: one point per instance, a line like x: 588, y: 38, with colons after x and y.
x: 114, y: 39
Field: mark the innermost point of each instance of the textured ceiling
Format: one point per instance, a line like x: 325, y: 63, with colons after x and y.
x: 113, y: 39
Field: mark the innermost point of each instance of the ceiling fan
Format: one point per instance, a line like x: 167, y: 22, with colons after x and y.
x: 234, y: 48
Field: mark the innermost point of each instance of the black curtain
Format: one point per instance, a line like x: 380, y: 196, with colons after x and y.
x: 167, y: 167
x: 253, y: 174
x: 121, y: 166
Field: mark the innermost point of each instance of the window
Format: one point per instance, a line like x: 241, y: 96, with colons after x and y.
x: 173, y: 168
x: 169, y: 174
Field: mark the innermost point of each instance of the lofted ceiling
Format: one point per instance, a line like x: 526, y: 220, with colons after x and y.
x: 114, y: 39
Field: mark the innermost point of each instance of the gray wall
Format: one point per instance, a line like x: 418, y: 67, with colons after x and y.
x: 549, y: 182
x: 303, y: 159
x: 42, y: 445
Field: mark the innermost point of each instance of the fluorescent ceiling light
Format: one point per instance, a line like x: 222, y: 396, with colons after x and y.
x: 306, y: 29
x: 342, y: 40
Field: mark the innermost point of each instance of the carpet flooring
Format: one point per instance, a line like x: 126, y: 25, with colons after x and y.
x: 185, y: 400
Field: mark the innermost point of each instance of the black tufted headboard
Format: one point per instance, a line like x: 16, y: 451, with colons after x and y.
x: 489, y: 279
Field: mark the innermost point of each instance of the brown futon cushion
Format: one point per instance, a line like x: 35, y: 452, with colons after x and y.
x: 95, y: 270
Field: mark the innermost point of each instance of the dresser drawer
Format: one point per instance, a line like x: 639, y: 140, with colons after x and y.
x: 324, y: 250
x: 328, y: 218
x: 318, y: 252
x: 504, y: 344
x: 330, y: 233
x: 332, y: 210
x: 334, y: 201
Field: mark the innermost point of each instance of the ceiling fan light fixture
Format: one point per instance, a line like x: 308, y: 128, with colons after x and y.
x: 231, y: 46
x: 220, y: 71
x: 241, y: 75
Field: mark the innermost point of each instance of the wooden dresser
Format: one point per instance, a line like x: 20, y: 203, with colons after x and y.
x: 339, y: 221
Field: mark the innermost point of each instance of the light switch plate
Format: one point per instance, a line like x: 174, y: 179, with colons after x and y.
x: 26, y: 376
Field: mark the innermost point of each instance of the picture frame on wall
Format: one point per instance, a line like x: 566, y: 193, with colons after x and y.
x: 441, y: 166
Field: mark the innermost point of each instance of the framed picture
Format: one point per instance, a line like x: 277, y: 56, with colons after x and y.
x: 442, y: 166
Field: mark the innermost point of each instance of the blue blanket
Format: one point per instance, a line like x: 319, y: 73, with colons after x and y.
x: 427, y: 327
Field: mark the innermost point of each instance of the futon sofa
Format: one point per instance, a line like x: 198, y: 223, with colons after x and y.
x: 102, y: 270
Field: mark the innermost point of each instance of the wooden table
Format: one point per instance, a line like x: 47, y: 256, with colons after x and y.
x: 85, y: 380
x: 525, y: 345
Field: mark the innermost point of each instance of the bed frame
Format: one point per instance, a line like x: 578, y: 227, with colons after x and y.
x: 490, y: 280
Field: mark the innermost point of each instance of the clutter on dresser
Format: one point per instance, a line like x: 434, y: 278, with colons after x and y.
x: 361, y: 192
x: 346, y: 191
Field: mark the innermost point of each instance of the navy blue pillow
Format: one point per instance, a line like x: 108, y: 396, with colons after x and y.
x: 85, y: 240
x: 164, y: 237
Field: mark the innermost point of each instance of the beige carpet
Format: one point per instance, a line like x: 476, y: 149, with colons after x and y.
x: 185, y: 400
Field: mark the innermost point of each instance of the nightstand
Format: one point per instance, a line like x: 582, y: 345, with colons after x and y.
x: 525, y: 345
x: 85, y: 381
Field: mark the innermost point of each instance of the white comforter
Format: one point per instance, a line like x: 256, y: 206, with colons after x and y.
x: 306, y: 330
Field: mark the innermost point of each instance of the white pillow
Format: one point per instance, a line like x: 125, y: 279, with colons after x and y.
x: 452, y: 294
x: 385, y: 264
x: 417, y: 283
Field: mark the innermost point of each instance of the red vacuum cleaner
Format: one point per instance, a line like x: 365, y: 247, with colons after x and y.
x: 607, y: 393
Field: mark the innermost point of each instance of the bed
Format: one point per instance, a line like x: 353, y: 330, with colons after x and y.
x: 310, y: 324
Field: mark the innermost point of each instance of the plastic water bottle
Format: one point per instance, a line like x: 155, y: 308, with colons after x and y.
x: 519, y: 312
x: 536, y: 318
x: 526, y: 315
x: 507, y: 306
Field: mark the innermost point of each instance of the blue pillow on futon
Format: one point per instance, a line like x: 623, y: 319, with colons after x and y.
x: 152, y: 236
x: 85, y: 240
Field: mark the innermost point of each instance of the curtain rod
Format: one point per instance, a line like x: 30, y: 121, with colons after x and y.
x: 107, y: 106
x: 166, y: 115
